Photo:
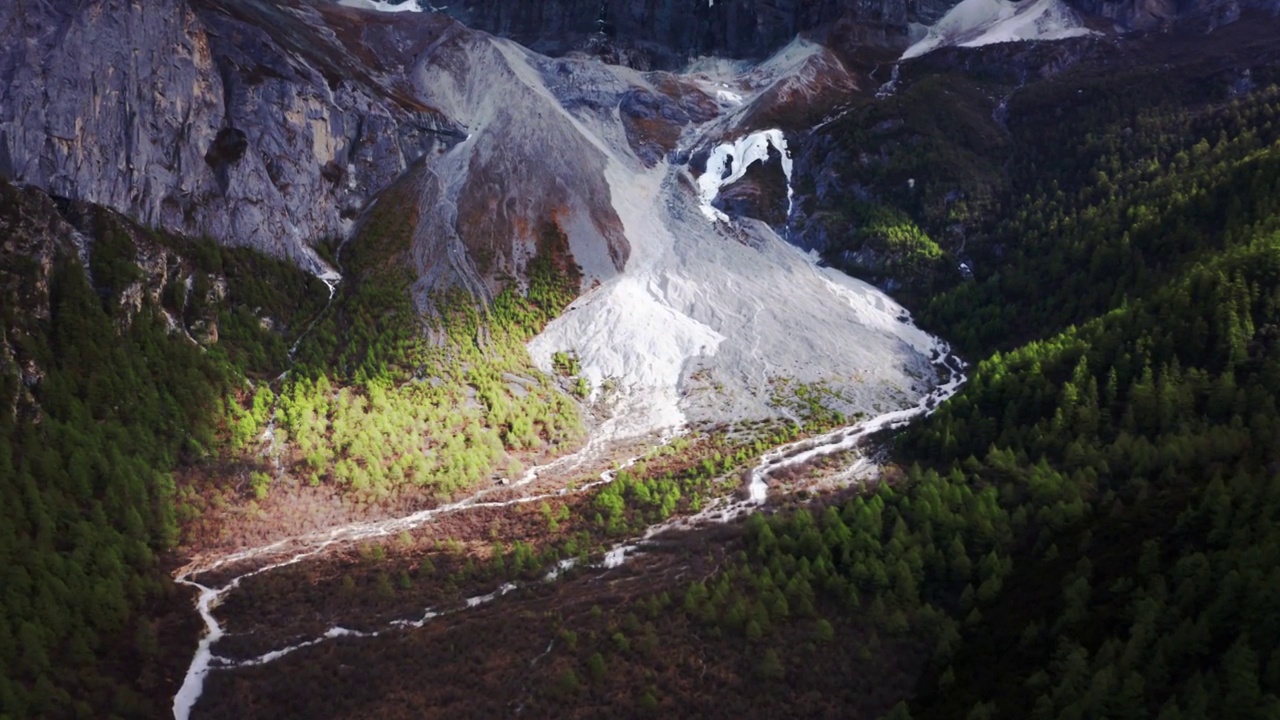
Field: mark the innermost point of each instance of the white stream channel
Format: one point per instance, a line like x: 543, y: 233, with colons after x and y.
x: 297, y: 549
x: 799, y: 453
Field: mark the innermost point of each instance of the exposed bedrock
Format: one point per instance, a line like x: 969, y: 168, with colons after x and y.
x: 273, y: 123
x: 663, y: 33
x: 252, y: 123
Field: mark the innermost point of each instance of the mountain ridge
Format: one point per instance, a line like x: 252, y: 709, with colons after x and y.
x: 192, y: 142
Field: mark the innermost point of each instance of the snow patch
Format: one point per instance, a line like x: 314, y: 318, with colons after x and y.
x: 615, y: 557
x: 330, y: 278
x: 974, y: 23
x: 728, y: 96
x: 193, y: 682
x: 330, y: 634
x: 381, y: 6
x: 560, y: 569
x: 428, y: 616
x: 729, y: 162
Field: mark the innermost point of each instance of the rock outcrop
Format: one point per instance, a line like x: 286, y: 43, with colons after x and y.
x: 665, y: 33
x: 272, y: 124
x: 1152, y: 14
x: 248, y: 122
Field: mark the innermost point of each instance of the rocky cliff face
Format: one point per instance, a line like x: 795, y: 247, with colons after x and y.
x: 248, y: 122
x: 272, y: 124
x: 1150, y: 14
x: 664, y: 33
x: 36, y: 229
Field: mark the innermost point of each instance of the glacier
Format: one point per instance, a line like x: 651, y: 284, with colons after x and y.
x: 974, y: 23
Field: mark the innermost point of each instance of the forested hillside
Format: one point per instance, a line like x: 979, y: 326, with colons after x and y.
x: 150, y: 386
x: 1088, y: 529
x: 1134, y: 444
x: 112, y: 378
x: 377, y: 379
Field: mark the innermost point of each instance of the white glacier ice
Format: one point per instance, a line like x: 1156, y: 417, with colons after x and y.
x: 729, y: 162
x: 382, y: 6
x: 974, y: 23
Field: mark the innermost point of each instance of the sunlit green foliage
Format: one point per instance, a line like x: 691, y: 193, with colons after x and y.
x: 384, y: 398
x: 886, y: 246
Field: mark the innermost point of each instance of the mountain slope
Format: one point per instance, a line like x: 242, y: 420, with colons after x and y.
x: 250, y: 123
x: 119, y: 348
x: 975, y: 23
x: 1088, y: 527
x: 683, y: 316
x: 341, y: 460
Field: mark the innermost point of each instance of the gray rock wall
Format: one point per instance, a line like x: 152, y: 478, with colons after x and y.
x: 271, y: 123
x: 108, y: 102
x: 667, y: 32
x: 207, y: 119
x: 1149, y: 14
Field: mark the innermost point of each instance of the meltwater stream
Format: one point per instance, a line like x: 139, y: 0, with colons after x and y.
x: 799, y: 453
x: 297, y: 549
x: 790, y: 455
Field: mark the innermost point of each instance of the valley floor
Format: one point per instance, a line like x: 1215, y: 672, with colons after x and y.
x: 527, y: 545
